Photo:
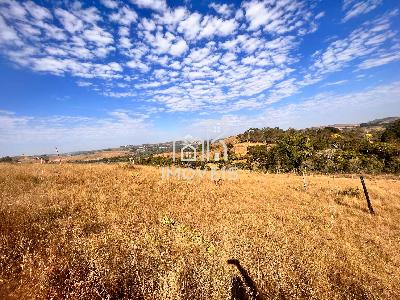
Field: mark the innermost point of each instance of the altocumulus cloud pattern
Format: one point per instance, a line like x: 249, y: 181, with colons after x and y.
x: 203, y: 58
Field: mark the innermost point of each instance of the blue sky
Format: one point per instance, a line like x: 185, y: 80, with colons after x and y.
x: 94, y: 74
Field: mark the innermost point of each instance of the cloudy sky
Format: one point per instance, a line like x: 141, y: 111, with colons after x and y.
x: 92, y: 74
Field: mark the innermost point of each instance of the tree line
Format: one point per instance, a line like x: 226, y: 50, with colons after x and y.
x: 326, y: 150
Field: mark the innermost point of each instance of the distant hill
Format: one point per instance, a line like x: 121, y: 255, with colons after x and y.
x: 380, y: 122
x: 240, y: 143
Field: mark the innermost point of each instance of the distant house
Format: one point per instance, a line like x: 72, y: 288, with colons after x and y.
x: 345, y: 126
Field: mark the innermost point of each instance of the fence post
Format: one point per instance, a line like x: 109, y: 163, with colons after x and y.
x: 304, y: 180
x: 371, y: 210
x: 58, y: 156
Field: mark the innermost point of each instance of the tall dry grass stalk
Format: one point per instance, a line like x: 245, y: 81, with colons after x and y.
x: 120, y: 232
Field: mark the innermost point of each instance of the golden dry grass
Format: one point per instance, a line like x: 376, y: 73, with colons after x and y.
x: 95, y: 155
x: 115, y: 231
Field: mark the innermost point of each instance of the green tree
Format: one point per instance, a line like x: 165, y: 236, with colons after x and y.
x: 392, y: 133
x: 294, y: 149
x: 6, y: 159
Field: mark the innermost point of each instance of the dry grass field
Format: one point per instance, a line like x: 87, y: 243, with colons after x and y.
x: 121, y: 232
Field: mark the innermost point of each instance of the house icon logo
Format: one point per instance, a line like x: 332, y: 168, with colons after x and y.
x: 207, y: 151
x: 188, y: 153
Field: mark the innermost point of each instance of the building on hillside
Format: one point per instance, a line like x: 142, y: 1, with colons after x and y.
x: 345, y: 126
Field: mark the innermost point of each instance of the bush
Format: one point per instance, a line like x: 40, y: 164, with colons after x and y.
x: 293, y: 149
x: 392, y: 133
x: 6, y: 159
x: 326, y: 150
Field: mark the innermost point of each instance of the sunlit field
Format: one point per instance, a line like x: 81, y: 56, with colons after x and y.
x: 121, y: 232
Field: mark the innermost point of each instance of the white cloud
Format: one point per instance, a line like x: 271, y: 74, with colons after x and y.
x: 7, y: 34
x: 199, y: 54
x: 283, y: 90
x: 125, y: 42
x: 76, y: 52
x: 158, y: 5
x: 162, y: 43
x: 89, y: 15
x: 148, y: 25
x: 34, y: 135
x: 320, y: 15
x: 214, y: 26
x: 209, y: 60
x: 53, y: 51
x: 70, y: 22
x: 13, y: 10
x: 28, y: 30
x: 190, y: 27
x: 109, y: 3
x: 38, y: 12
x: 115, y: 66
x: 324, y: 109
x: 138, y: 65
x: 50, y: 64
x: 223, y: 9
x: 246, y: 104
x: 98, y: 36
x: 278, y: 17
x: 124, y: 16
x: 175, y: 65
x: 52, y: 32
x: 320, y: 110
x: 228, y: 58
x: 179, y: 48
x: 257, y: 13
x: 124, y: 31
x: 347, y: 3
x: 172, y: 17
x: 227, y: 27
x: 380, y: 60
x: 339, y: 82
x: 366, y: 41
x: 84, y: 83
x: 362, y: 42
x: 355, y: 8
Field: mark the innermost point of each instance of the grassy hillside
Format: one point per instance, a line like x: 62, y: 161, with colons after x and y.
x: 380, y: 122
x: 114, y: 231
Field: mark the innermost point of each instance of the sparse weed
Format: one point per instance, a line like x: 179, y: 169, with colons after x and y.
x: 350, y: 191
